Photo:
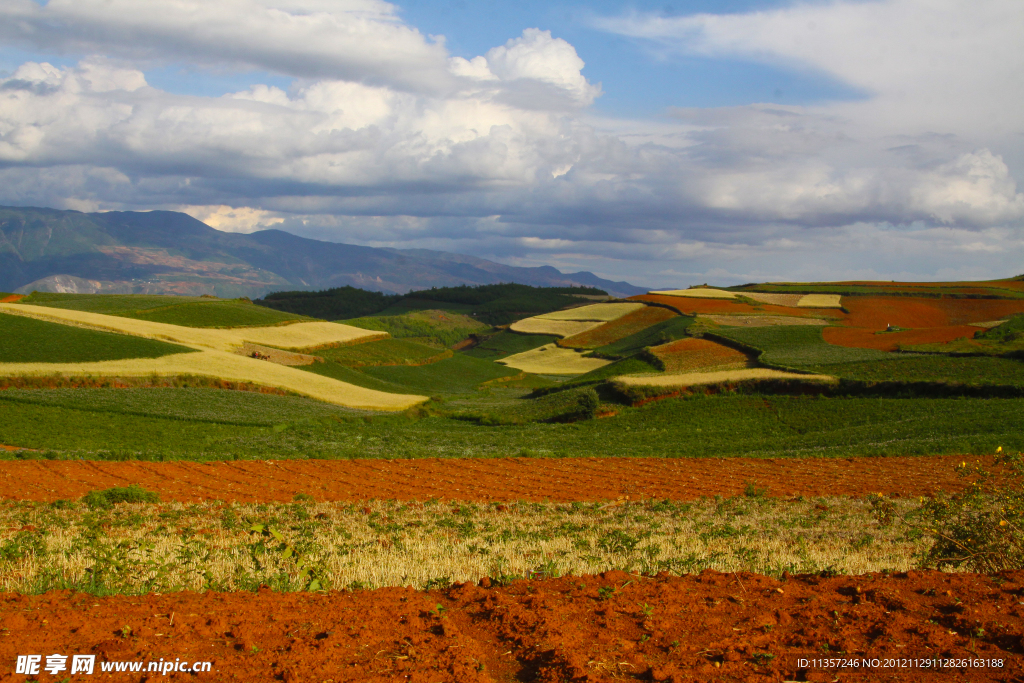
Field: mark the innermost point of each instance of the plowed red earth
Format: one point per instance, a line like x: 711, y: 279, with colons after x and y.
x: 861, y: 338
x: 585, y: 479
x: 613, y: 627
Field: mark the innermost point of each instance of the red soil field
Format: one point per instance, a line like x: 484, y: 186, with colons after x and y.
x: 875, y: 312
x: 613, y: 331
x: 12, y: 298
x: 867, y: 339
x: 616, y: 626
x: 686, y: 355
x: 494, y: 479
x: 936, y: 320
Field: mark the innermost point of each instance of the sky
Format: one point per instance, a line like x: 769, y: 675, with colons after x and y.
x: 663, y: 143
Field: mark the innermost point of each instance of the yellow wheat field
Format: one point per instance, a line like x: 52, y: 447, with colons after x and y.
x: 790, y: 300
x: 820, y: 301
x: 696, y: 378
x: 759, y: 320
x: 699, y: 293
x: 290, y: 337
x: 602, y: 312
x: 553, y: 360
x: 559, y: 328
x: 227, y: 366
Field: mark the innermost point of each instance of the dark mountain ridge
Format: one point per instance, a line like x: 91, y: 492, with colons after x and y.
x: 166, y: 252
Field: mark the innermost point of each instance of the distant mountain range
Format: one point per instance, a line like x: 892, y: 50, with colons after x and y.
x: 165, y: 252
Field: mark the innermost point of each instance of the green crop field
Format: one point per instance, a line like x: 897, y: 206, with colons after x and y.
x: 26, y: 340
x: 506, y: 343
x: 457, y: 375
x: 434, y: 326
x: 383, y: 352
x: 108, y: 304
x: 970, y: 370
x: 214, y: 406
x: 177, y: 425
x: 627, y: 366
x: 173, y: 310
x: 355, y: 376
x: 660, y: 333
x: 217, y: 314
x: 795, y: 346
x: 511, y: 407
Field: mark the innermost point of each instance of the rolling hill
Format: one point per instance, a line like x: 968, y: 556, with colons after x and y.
x: 165, y: 252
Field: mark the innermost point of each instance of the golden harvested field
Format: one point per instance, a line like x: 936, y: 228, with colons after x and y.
x: 227, y: 366
x: 789, y: 300
x: 602, y: 312
x: 820, y: 301
x: 691, y: 355
x: 696, y: 378
x: 290, y: 337
x: 620, y: 328
x: 553, y: 360
x: 559, y: 328
x: 698, y: 293
x: 760, y: 320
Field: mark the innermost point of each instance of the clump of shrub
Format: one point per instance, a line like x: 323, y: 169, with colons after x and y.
x: 980, y: 528
x: 119, y: 494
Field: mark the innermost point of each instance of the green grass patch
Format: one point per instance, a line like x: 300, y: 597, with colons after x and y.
x: 660, y: 333
x: 1010, y: 331
x: 107, y: 498
x: 794, y: 347
x: 26, y: 340
x: 384, y: 352
x: 173, y: 310
x: 507, y: 343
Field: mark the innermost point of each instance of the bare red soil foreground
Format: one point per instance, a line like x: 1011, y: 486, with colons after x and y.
x: 920, y: 626
x: 556, y: 480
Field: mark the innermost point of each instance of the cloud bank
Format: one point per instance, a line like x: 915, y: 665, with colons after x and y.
x: 384, y: 138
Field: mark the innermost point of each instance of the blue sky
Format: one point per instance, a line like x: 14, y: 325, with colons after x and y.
x: 658, y: 142
x: 637, y: 80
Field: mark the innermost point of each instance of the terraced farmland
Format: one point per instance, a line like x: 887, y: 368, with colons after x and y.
x: 568, y: 483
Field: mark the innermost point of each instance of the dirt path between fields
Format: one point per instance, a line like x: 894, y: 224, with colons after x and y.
x: 617, y: 626
x: 530, y: 479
